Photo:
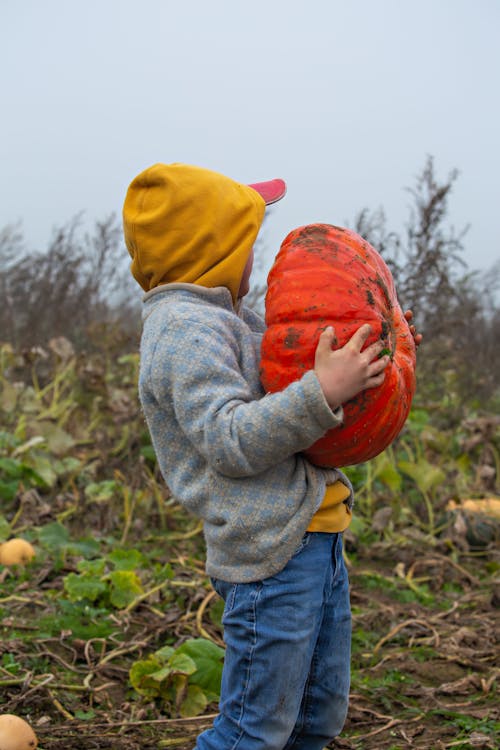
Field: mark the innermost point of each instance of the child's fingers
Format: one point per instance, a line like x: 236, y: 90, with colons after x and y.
x: 326, y: 339
x: 359, y: 337
x: 374, y: 349
x: 375, y: 381
x: 417, y: 337
x: 376, y: 372
x: 378, y: 366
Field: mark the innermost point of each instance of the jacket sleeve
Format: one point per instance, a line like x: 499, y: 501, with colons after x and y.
x: 196, y: 368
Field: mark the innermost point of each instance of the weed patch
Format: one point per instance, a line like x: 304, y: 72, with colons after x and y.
x: 111, y: 636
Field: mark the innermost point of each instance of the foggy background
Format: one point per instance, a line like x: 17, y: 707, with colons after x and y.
x: 344, y: 100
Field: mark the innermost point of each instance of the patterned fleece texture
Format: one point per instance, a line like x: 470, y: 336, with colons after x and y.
x: 228, y: 452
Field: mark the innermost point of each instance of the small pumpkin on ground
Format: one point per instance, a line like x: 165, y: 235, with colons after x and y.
x: 16, y: 733
x: 325, y: 275
x: 16, y: 552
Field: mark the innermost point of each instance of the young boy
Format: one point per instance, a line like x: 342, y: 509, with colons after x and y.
x: 231, y: 454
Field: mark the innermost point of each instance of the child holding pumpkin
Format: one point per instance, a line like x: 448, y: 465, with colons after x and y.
x: 230, y: 454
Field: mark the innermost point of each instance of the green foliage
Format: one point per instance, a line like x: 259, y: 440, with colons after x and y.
x: 415, y: 478
x: 119, y: 564
x: 81, y: 619
x: 85, y: 586
x: 15, y: 474
x: 55, y: 538
x: 398, y: 588
x: 4, y: 529
x: 96, y: 583
x: 208, y: 658
x: 424, y: 474
x: 187, y: 677
x: 10, y: 664
x: 102, y: 492
x: 466, y: 724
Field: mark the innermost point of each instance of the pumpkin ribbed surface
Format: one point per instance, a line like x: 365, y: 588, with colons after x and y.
x: 325, y: 275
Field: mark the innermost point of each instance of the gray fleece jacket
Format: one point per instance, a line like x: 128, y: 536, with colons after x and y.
x: 229, y: 453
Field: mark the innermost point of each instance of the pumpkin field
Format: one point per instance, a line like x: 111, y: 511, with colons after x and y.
x: 110, y: 634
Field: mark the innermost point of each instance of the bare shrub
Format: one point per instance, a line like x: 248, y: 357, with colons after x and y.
x: 81, y: 288
x: 78, y: 281
x: 456, y: 309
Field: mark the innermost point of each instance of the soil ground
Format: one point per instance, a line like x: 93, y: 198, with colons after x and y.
x: 425, y: 657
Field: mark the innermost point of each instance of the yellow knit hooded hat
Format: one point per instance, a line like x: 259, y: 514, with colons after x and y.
x: 192, y: 225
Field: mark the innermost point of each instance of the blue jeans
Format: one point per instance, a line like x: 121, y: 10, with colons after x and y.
x: 285, y: 683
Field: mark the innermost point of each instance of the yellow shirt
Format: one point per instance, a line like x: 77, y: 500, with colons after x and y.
x: 333, y: 515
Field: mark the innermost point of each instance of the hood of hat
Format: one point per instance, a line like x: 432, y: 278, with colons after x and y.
x: 192, y: 225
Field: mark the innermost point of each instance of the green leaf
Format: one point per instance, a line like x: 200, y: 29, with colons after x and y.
x: 387, y: 473
x: 43, y: 473
x: 93, y: 567
x: 164, y: 654
x: 59, y: 442
x: 67, y: 465
x: 182, y: 663
x: 83, y: 586
x: 54, y: 536
x: 425, y: 475
x: 4, y: 529
x: 85, y: 547
x: 201, y: 649
x: 165, y: 674
x: 216, y: 612
x: 149, y: 453
x: 8, y: 490
x: 140, y: 677
x: 161, y: 674
x: 418, y: 418
x: 11, y: 468
x: 10, y: 664
x: 125, y: 587
x: 85, y: 715
x: 163, y: 572
x: 124, y: 559
x: 194, y: 703
x: 209, y: 659
x: 358, y: 525
x: 101, y: 492
x: 83, y: 620
x: 357, y: 474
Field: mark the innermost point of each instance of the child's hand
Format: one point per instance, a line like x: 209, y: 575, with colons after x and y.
x: 345, y: 372
x: 417, y: 337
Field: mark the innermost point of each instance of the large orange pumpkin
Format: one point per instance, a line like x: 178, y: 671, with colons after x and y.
x: 324, y: 275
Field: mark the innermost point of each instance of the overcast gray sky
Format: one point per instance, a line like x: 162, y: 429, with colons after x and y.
x: 344, y: 99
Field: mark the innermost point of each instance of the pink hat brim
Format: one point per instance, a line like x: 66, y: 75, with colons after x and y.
x: 272, y: 190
